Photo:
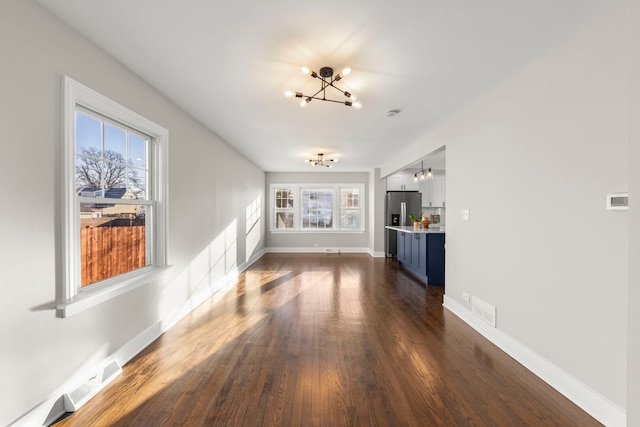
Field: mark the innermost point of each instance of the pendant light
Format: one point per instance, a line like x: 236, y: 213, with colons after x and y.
x: 421, y: 176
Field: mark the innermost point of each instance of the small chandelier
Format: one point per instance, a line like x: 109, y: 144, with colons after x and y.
x: 327, y: 79
x: 421, y: 176
x: 321, y: 161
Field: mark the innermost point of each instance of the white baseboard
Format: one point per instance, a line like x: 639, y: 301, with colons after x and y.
x: 323, y: 250
x: 53, y: 408
x: 590, y: 401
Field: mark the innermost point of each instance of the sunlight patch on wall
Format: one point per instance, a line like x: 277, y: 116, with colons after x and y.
x: 215, y: 265
x: 253, y: 226
x: 253, y: 239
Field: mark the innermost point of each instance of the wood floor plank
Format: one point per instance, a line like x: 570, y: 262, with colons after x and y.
x: 326, y: 340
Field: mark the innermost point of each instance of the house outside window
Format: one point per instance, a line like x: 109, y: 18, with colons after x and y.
x: 336, y: 208
x: 115, y: 198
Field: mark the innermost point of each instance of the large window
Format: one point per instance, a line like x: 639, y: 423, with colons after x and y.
x: 317, y: 208
x: 115, y: 201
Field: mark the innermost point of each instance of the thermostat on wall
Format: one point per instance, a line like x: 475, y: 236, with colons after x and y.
x: 618, y: 201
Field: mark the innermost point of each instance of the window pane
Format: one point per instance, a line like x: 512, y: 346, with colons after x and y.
x: 136, y: 184
x: 88, y: 176
x: 88, y: 134
x: 284, y: 219
x: 350, y: 198
x: 137, y: 151
x: 284, y: 197
x: 115, y: 142
x: 350, y: 220
x: 317, y: 208
x: 112, y: 240
x: 115, y: 179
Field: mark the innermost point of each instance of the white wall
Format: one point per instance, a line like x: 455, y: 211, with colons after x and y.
x: 304, y: 241
x: 633, y: 376
x: 210, y: 186
x: 533, y: 160
x: 377, y: 198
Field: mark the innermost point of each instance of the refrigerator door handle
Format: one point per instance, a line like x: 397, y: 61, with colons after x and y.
x: 403, y: 213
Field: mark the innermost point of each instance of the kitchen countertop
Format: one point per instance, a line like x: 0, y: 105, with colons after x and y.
x: 412, y: 230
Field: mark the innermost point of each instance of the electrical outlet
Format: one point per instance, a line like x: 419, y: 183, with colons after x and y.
x: 465, y: 296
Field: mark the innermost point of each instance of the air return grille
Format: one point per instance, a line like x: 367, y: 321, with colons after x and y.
x: 484, y: 310
x: 618, y: 201
x: 89, y: 388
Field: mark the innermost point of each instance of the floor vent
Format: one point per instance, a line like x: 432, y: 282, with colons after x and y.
x: 85, y: 391
x: 332, y: 250
x: 484, y: 310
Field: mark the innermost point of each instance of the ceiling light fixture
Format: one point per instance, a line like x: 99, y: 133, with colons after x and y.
x: 421, y: 176
x: 327, y: 80
x: 321, y: 161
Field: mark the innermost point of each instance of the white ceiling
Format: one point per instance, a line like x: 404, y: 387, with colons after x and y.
x: 228, y: 64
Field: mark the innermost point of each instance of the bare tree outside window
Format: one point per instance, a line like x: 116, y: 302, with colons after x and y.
x: 107, y: 169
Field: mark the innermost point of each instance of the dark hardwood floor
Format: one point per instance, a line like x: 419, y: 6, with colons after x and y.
x: 326, y: 340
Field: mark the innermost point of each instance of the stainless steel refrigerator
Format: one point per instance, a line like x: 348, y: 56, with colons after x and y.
x: 398, y: 205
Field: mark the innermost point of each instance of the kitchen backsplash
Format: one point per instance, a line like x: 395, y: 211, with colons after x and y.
x: 426, y: 210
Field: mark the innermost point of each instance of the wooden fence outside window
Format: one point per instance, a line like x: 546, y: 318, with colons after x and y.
x: 109, y: 251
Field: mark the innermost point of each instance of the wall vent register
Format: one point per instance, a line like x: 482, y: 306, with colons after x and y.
x: 618, y: 201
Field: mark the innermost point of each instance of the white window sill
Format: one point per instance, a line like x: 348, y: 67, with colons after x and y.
x: 90, y: 297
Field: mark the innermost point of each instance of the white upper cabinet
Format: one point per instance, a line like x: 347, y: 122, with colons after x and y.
x: 438, y: 191
x: 401, y: 182
x: 433, y: 192
x: 425, y: 189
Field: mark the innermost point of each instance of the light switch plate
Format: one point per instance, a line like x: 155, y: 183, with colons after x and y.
x: 465, y: 214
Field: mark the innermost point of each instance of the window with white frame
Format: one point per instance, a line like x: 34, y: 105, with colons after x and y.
x: 317, y: 207
x: 283, y: 207
x: 350, y: 212
x: 115, y: 196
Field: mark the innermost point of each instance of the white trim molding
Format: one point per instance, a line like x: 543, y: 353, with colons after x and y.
x: 590, y: 401
x: 319, y: 250
x: 325, y: 250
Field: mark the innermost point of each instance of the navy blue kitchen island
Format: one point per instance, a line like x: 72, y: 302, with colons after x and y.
x: 422, y: 252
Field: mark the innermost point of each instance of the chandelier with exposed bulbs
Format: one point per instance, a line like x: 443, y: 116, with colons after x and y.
x: 321, y: 161
x: 327, y: 80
